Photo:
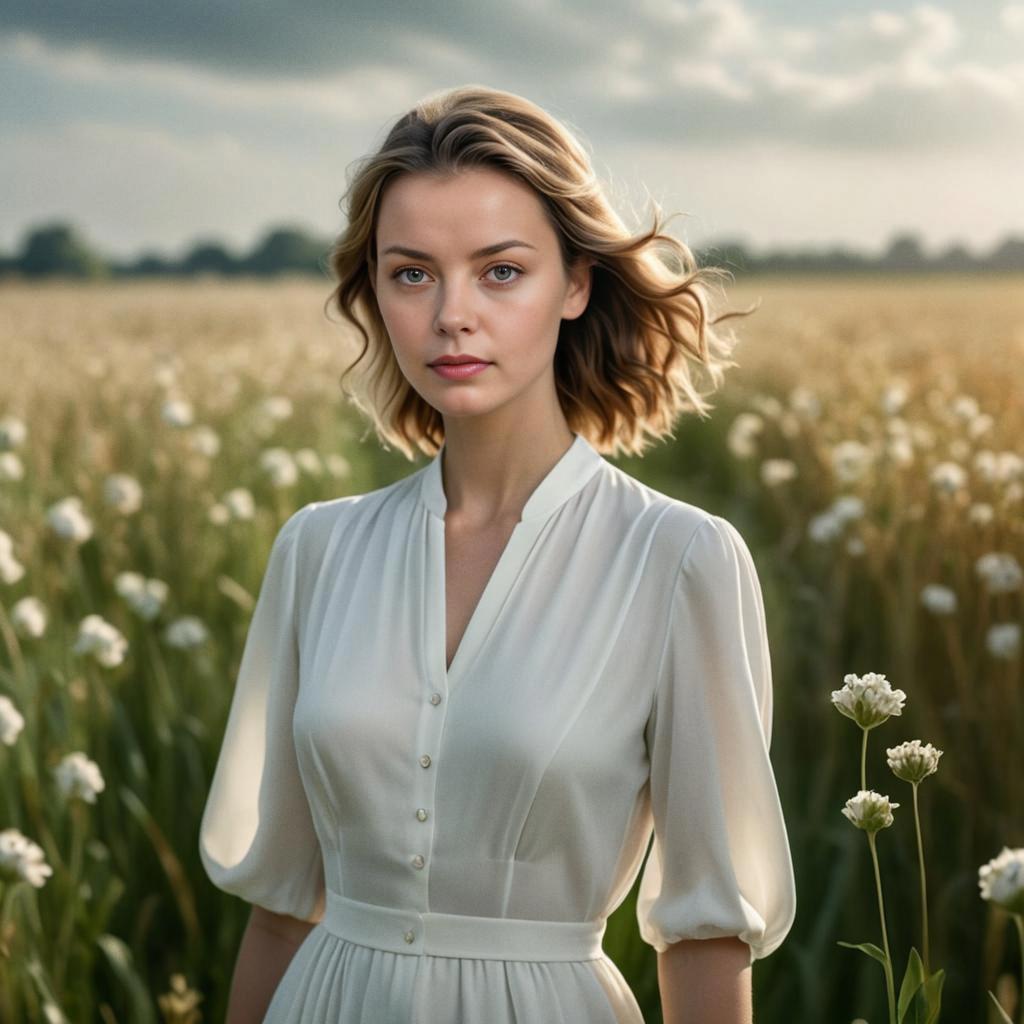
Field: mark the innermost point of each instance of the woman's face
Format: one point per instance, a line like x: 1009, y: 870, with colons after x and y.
x: 440, y: 294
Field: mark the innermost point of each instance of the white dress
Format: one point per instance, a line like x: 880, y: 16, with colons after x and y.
x: 461, y: 835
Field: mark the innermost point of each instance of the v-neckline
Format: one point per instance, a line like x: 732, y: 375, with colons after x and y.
x: 572, y: 470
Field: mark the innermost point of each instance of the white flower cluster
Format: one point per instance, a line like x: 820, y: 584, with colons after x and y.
x: 21, y: 860
x: 1001, y: 880
x: 11, y: 570
x: 79, y: 778
x: 144, y: 596
x: 1000, y: 571
x: 869, y: 699
x: 102, y: 640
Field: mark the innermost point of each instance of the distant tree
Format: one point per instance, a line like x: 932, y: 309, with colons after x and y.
x: 207, y: 258
x: 287, y: 249
x: 150, y: 263
x: 58, y: 249
x: 904, y: 253
x: 1008, y: 255
x: 956, y: 257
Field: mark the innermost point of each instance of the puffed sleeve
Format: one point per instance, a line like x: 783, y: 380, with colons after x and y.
x: 719, y: 863
x: 256, y: 838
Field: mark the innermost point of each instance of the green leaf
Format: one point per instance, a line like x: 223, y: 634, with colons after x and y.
x: 870, y: 948
x: 120, y: 959
x: 912, y: 982
x: 933, y: 995
x: 1002, y: 1012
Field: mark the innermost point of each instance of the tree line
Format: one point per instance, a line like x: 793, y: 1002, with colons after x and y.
x: 58, y: 249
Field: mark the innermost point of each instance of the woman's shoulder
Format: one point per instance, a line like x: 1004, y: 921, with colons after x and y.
x: 672, y: 523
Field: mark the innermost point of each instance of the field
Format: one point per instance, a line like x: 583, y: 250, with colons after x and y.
x: 153, y: 437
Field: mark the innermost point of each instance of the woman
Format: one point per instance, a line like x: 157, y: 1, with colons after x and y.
x: 467, y: 699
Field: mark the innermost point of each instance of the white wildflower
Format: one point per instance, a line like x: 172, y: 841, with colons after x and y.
x: 12, y: 433
x: 280, y: 466
x: 981, y: 513
x: 743, y: 433
x: 804, y: 402
x: 144, y: 596
x: 1002, y: 640
x: 869, y: 810
x: 894, y: 397
x: 900, y: 450
x: 848, y: 507
x: 177, y: 412
x: 29, y: 617
x: 1001, y: 880
x: 337, y: 465
x: 1000, y: 571
x: 981, y: 424
x: 824, y: 527
x: 856, y: 547
x: 102, y: 640
x: 218, y: 513
x: 204, y: 440
x: 239, y: 503
x: 11, y: 721
x: 67, y: 519
x: 11, y: 570
x: 308, y: 460
x: 277, y: 407
x: 1008, y: 466
x: 985, y: 465
x: 912, y: 761
x: 78, y: 777
x: 850, y: 461
x: 11, y: 467
x: 869, y: 699
x: 948, y: 477
x: 777, y: 471
x: 186, y: 632
x: 965, y: 407
x: 123, y: 493
x: 21, y: 860
x: 939, y: 600
x: 767, y: 405
x: 166, y: 376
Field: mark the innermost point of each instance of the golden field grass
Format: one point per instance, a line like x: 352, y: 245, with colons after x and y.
x: 869, y: 446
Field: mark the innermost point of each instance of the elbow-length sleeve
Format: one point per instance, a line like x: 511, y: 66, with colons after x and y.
x: 257, y: 839
x: 720, y: 861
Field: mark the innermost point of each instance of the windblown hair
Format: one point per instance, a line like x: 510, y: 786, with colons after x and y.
x: 644, y: 350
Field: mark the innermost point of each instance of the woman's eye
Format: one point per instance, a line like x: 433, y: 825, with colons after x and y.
x: 506, y: 266
x: 407, y: 270
x: 504, y: 279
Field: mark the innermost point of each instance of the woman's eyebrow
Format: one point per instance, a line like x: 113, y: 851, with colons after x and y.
x: 487, y: 250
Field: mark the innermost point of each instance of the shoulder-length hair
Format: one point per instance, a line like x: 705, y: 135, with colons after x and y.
x: 645, y: 349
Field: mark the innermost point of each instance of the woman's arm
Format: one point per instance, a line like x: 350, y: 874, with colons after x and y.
x: 706, y: 981
x: 267, y: 947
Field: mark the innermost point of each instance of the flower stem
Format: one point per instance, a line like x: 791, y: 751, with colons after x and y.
x: 1018, y: 920
x: 864, y: 759
x: 74, y: 870
x: 890, y: 988
x: 924, y: 887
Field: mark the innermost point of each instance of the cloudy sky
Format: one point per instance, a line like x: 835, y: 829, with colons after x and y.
x: 152, y: 125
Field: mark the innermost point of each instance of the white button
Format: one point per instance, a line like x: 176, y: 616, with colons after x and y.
x: 418, y: 861
x: 421, y: 813
x: 425, y: 760
x: 409, y: 936
x: 435, y: 698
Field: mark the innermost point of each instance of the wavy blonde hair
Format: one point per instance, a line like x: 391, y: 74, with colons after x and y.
x: 645, y: 349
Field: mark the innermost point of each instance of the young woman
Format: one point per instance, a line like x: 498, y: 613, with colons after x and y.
x: 468, y: 699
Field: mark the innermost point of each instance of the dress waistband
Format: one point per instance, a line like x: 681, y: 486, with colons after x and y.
x: 460, y: 935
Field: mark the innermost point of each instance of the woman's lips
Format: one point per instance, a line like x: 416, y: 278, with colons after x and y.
x: 458, y: 371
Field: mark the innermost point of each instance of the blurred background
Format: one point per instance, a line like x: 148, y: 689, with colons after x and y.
x: 171, y: 178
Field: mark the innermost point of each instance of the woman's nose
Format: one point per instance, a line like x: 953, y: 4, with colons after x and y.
x: 455, y: 309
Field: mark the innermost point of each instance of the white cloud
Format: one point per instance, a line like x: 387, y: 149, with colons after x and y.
x: 1012, y: 17
x: 342, y: 96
